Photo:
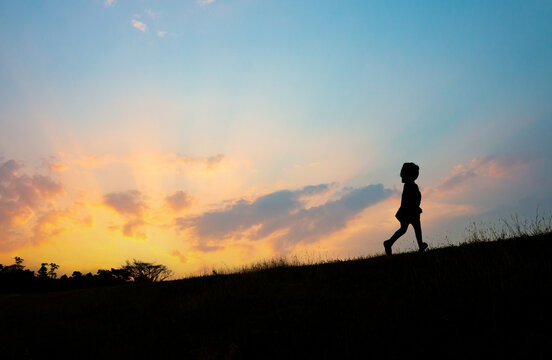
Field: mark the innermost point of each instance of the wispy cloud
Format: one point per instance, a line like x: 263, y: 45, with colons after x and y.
x: 179, y: 255
x: 152, y: 14
x: 139, y: 25
x: 482, y: 167
x: 205, y: 2
x: 161, y: 33
x: 109, y: 2
x: 163, y: 159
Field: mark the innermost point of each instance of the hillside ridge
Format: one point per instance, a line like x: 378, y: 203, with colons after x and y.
x: 476, y: 299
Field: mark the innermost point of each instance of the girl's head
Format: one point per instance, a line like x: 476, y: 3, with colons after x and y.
x: 409, y: 172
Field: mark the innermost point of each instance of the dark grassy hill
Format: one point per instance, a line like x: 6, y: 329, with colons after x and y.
x: 480, y: 300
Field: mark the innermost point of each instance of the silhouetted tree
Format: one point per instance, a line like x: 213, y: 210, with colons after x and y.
x: 140, y: 271
x: 120, y: 274
x: 43, y: 271
x: 17, y: 267
x: 15, y: 277
x: 52, y: 272
x: 18, y: 263
x: 76, y: 275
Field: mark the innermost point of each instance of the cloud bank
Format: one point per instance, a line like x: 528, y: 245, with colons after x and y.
x: 283, y: 216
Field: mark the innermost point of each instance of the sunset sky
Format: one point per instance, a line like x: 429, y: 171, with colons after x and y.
x: 214, y: 133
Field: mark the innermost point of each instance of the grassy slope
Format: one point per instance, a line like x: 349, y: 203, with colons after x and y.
x: 475, y: 300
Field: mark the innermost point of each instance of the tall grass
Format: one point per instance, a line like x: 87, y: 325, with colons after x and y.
x: 309, y: 258
x: 504, y: 228
x: 512, y: 227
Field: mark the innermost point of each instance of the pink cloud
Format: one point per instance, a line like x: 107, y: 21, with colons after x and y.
x: 486, y: 167
x: 139, y: 25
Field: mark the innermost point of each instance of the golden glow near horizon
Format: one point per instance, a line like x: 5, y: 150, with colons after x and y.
x: 196, y: 214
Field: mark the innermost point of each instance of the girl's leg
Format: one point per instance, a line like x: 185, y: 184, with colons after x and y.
x: 418, y: 231
x: 397, y: 234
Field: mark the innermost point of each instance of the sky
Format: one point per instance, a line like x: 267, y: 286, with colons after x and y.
x: 211, y: 134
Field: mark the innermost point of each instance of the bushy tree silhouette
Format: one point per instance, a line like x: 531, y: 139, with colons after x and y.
x: 140, y: 271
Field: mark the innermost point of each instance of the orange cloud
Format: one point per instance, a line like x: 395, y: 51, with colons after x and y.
x: 179, y: 255
x: 57, y: 167
x: 131, y: 229
x: 34, y: 208
x: 131, y: 205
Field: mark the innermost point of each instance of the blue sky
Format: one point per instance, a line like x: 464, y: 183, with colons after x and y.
x: 252, y: 98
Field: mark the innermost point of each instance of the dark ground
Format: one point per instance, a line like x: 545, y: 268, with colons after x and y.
x: 481, y: 300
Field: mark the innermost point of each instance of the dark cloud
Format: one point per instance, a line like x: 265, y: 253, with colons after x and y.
x: 308, y: 225
x: 244, y: 214
x: 178, y: 200
x: 284, y: 212
x: 126, y: 203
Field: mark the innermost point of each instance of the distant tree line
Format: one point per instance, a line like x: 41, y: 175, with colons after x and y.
x: 16, y: 278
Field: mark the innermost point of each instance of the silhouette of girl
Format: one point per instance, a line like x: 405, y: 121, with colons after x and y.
x: 409, y: 212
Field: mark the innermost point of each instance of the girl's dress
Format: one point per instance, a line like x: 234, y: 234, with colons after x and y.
x: 410, y: 203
